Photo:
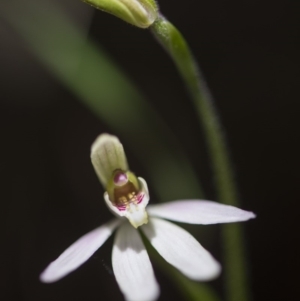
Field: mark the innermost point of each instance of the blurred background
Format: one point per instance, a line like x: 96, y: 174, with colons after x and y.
x: 50, y: 195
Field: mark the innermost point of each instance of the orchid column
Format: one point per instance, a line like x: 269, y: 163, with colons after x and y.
x: 145, y: 14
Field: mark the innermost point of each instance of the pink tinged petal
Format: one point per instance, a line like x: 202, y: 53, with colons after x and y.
x: 79, y: 252
x: 199, y: 212
x: 132, y: 267
x: 181, y: 249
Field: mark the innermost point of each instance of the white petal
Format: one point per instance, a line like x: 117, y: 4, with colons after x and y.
x: 199, y: 212
x: 78, y: 252
x: 181, y: 249
x: 136, y: 213
x: 132, y: 267
x: 107, y: 155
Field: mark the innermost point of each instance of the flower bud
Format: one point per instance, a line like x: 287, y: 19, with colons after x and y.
x: 141, y: 13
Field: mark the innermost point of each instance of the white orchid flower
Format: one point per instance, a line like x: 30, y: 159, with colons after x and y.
x: 127, y: 197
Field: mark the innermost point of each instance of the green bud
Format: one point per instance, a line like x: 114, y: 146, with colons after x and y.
x: 141, y: 13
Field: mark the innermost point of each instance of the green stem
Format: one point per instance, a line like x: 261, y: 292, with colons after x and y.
x: 175, y: 45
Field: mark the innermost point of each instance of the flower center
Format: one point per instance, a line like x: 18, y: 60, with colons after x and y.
x: 124, y: 189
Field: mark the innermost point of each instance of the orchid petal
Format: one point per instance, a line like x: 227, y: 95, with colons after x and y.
x: 79, y: 252
x: 181, y: 249
x: 199, y: 212
x: 132, y: 267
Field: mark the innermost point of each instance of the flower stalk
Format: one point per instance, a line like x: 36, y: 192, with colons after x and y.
x: 175, y: 45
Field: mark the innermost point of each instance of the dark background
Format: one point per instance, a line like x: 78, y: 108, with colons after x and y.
x: 249, y: 54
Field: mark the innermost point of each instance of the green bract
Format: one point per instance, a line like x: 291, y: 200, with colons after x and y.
x: 141, y: 13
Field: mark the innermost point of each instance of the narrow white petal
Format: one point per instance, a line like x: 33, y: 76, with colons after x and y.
x: 132, y: 267
x: 181, y: 249
x: 199, y: 212
x: 79, y: 252
x: 107, y: 155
